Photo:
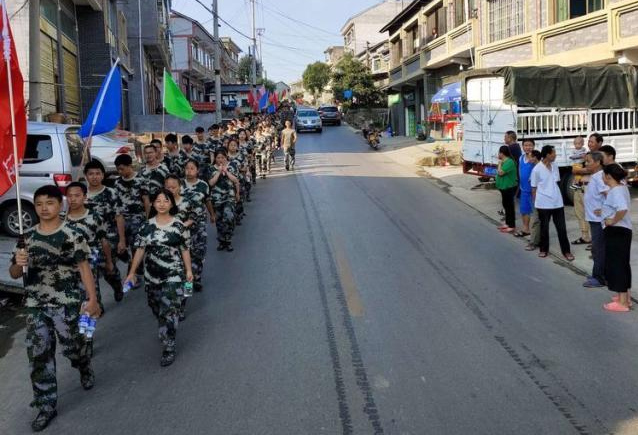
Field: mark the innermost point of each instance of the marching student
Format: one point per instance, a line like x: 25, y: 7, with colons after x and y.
x: 163, y: 244
x: 105, y: 202
x: 176, y: 158
x: 224, y: 194
x: 154, y: 171
x: 54, y: 254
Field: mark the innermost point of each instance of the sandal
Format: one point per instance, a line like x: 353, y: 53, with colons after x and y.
x: 521, y: 234
x: 616, y: 307
x: 580, y: 241
x: 507, y: 230
x: 530, y: 247
x: 542, y: 254
x: 588, y: 247
x: 568, y: 257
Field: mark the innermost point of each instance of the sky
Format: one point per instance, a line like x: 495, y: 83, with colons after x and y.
x: 288, y: 46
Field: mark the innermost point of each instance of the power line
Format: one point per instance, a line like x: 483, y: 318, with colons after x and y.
x: 278, y: 12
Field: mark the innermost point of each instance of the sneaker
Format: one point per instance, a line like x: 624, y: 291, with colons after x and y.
x: 574, y: 187
x: 168, y: 358
x: 43, y: 419
x: 592, y: 283
x: 221, y: 246
x: 229, y: 248
x: 287, y: 168
x: 87, y: 378
x: 118, y: 294
x: 182, y: 316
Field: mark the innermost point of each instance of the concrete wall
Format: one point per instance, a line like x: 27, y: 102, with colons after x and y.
x: 181, y: 50
x: 153, y: 123
x: 369, y: 22
x: 20, y: 28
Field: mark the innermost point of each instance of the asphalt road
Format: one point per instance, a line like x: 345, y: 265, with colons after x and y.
x: 360, y: 299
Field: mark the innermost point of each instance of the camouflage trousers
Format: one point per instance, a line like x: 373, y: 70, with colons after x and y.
x: 132, y: 227
x: 165, y: 302
x: 289, y: 158
x: 265, y: 161
x: 225, y: 220
x: 113, y: 279
x: 43, y: 324
x: 199, y: 238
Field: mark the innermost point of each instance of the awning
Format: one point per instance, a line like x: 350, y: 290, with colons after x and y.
x: 448, y: 93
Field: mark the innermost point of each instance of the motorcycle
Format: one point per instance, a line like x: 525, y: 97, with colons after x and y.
x: 373, y: 137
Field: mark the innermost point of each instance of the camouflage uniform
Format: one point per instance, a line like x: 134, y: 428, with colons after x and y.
x: 198, y: 194
x: 131, y: 194
x: 238, y: 162
x: 106, y: 204
x: 154, y: 177
x: 93, y: 229
x: 176, y: 162
x: 53, y: 302
x: 164, y: 274
x: 223, y: 198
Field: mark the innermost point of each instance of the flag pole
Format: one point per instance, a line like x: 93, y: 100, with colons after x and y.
x: 14, y: 138
x: 89, y: 140
x: 163, y: 105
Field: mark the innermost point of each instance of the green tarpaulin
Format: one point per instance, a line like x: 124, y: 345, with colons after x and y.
x: 594, y: 87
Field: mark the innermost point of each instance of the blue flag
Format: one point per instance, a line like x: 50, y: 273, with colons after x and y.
x: 107, y: 107
x: 263, y: 101
x: 272, y: 109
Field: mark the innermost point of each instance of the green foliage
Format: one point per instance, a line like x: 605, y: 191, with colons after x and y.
x: 350, y: 73
x: 316, y: 77
x: 244, y: 72
x: 268, y: 84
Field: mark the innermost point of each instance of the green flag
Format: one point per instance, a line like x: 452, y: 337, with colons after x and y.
x: 175, y: 102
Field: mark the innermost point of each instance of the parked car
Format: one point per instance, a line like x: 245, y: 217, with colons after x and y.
x: 308, y: 119
x: 106, y: 147
x: 53, y: 155
x: 330, y: 115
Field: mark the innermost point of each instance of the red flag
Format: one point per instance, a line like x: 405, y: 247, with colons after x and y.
x: 275, y: 99
x: 8, y: 165
x: 283, y: 94
x: 251, y: 98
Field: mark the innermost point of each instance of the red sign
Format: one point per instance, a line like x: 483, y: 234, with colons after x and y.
x: 200, y: 106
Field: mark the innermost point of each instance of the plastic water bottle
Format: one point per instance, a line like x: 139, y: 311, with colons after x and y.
x: 188, y: 289
x: 127, y: 286
x: 83, y: 323
x: 90, y: 329
x: 94, y: 258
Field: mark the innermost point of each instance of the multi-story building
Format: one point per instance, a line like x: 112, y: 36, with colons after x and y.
x: 150, y: 50
x: 193, y: 58
x: 230, y: 60
x: 362, y: 29
x: 433, y: 41
x: 46, y: 36
x: 334, y: 53
x: 377, y: 59
x: 102, y: 36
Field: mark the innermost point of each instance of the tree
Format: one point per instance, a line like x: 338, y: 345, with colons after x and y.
x: 268, y: 84
x: 244, y: 72
x: 316, y: 77
x: 351, y: 74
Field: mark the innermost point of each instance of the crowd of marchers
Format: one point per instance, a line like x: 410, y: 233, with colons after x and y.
x: 602, y: 205
x: 153, y: 221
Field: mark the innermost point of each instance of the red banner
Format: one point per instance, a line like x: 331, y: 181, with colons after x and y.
x: 8, y: 55
x: 203, y: 106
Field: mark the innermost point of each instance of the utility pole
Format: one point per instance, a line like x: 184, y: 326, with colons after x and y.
x: 260, y: 33
x: 254, y: 63
x: 218, y: 76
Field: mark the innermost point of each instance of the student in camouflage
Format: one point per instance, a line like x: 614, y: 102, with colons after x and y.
x: 132, y: 190
x: 198, y: 193
x: 154, y: 171
x: 106, y: 204
x: 94, y: 230
x: 224, y: 193
x: 238, y: 160
x: 53, y: 255
x: 247, y: 148
x: 163, y: 244
x: 215, y: 139
x: 175, y: 158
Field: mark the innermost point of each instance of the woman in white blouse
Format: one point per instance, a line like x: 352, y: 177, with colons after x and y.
x: 618, y: 232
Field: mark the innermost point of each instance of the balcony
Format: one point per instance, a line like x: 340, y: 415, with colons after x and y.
x: 158, y: 49
x: 458, y: 42
x: 593, y: 38
x: 198, y: 70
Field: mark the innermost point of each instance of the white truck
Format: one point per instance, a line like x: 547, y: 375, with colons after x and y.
x: 551, y: 105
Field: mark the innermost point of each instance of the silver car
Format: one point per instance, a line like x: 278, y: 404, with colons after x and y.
x: 308, y: 119
x: 53, y: 155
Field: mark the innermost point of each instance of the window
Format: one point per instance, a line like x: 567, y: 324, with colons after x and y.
x: 506, y: 19
x: 76, y: 147
x: 39, y: 148
x: 436, y: 24
x: 568, y: 9
x: 49, y: 10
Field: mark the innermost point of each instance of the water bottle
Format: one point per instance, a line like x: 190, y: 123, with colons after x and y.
x: 94, y: 258
x: 127, y: 286
x: 188, y: 289
x: 90, y: 329
x: 83, y: 323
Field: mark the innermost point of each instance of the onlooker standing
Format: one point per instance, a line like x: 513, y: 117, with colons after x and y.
x: 577, y: 157
x: 593, y: 200
x: 618, y: 233
x: 534, y: 222
x: 511, y: 142
x: 506, y: 183
x: 549, y: 202
x: 525, y: 166
x: 609, y: 154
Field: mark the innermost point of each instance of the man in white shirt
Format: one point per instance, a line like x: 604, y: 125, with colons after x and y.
x: 548, y: 200
x: 593, y: 200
